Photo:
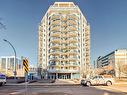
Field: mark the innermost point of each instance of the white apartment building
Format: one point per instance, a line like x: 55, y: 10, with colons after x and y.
x: 7, y: 66
x: 114, y: 62
x: 63, y: 42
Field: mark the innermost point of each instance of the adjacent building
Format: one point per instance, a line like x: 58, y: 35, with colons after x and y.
x: 63, y: 42
x: 114, y: 63
x: 7, y: 66
x: 32, y: 74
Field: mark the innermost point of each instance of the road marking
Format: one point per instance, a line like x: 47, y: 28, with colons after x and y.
x: 105, y: 93
x: 14, y: 93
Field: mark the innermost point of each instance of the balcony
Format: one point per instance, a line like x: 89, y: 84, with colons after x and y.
x: 74, y: 17
x: 64, y: 19
x: 54, y: 54
x: 64, y: 47
x: 55, y: 47
x: 64, y: 35
x: 55, y: 35
x: 64, y: 31
x: 73, y: 57
x: 57, y: 22
x: 64, y: 59
x: 74, y: 44
x: 55, y: 41
x: 72, y: 47
x: 73, y: 60
x: 73, y: 53
x: 54, y: 17
x: 72, y: 35
x: 64, y: 42
x: 55, y: 28
x: 71, y: 22
x: 54, y: 60
x: 64, y: 25
x: 73, y: 41
x: 64, y: 54
x: 71, y: 28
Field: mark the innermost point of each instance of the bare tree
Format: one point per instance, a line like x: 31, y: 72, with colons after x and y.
x: 124, y: 69
x: 119, y: 68
x: 2, y: 26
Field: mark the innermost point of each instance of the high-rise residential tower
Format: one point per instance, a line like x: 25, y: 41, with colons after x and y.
x: 63, y: 42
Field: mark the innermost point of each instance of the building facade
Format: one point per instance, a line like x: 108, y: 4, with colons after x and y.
x: 113, y: 63
x: 63, y: 42
x: 7, y: 66
x: 32, y: 74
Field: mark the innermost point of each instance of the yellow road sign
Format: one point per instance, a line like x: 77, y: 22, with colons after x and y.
x: 26, y: 65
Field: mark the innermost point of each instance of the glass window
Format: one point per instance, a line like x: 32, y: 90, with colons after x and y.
x: 12, y: 63
x: 3, y: 65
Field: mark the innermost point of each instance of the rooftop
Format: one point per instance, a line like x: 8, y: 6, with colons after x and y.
x: 64, y: 4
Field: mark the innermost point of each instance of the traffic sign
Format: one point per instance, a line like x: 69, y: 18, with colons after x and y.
x: 26, y: 65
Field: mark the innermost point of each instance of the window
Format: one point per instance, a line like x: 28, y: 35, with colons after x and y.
x: 3, y: 65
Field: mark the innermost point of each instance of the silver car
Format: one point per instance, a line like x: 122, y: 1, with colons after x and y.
x: 97, y: 80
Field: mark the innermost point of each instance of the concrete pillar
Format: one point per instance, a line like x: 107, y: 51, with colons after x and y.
x: 56, y: 75
x: 71, y: 75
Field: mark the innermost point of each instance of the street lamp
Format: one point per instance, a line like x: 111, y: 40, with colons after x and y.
x: 15, y: 57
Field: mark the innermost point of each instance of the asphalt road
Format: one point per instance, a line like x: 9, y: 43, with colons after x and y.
x: 58, y: 90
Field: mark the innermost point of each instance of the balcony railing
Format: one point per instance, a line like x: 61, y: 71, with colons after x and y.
x: 73, y: 41
x: 55, y: 35
x: 54, y: 54
x: 72, y: 28
x: 72, y: 35
x: 55, y: 41
x: 73, y: 53
x: 74, y: 17
x: 64, y: 25
x: 55, y: 47
x: 57, y: 22
x: 64, y: 18
x: 64, y: 31
x: 55, y: 28
x: 54, y: 17
x: 71, y: 22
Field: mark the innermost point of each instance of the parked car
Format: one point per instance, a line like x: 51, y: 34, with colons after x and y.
x: 2, y: 79
x: 97, y: 80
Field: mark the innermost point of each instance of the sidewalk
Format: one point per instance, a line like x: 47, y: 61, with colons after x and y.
x: 57, y: 83
x: 120, y: 83
x: 113, y: 88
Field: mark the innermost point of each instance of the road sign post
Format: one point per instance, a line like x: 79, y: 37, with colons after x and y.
x: 26, y: 70
x: 26, y: 65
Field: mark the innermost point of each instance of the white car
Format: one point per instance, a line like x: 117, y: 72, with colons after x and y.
x: 2, y: 79
x: 97, y: 80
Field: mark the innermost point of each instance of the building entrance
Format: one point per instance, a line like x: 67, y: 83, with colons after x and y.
x: 64, y: 75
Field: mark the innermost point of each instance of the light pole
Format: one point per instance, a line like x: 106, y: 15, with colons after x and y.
x: 14, y: 59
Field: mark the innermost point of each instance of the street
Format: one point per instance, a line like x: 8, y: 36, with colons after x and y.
x: 60, y: 90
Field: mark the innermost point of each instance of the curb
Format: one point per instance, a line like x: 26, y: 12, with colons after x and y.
x: 43, y: 84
